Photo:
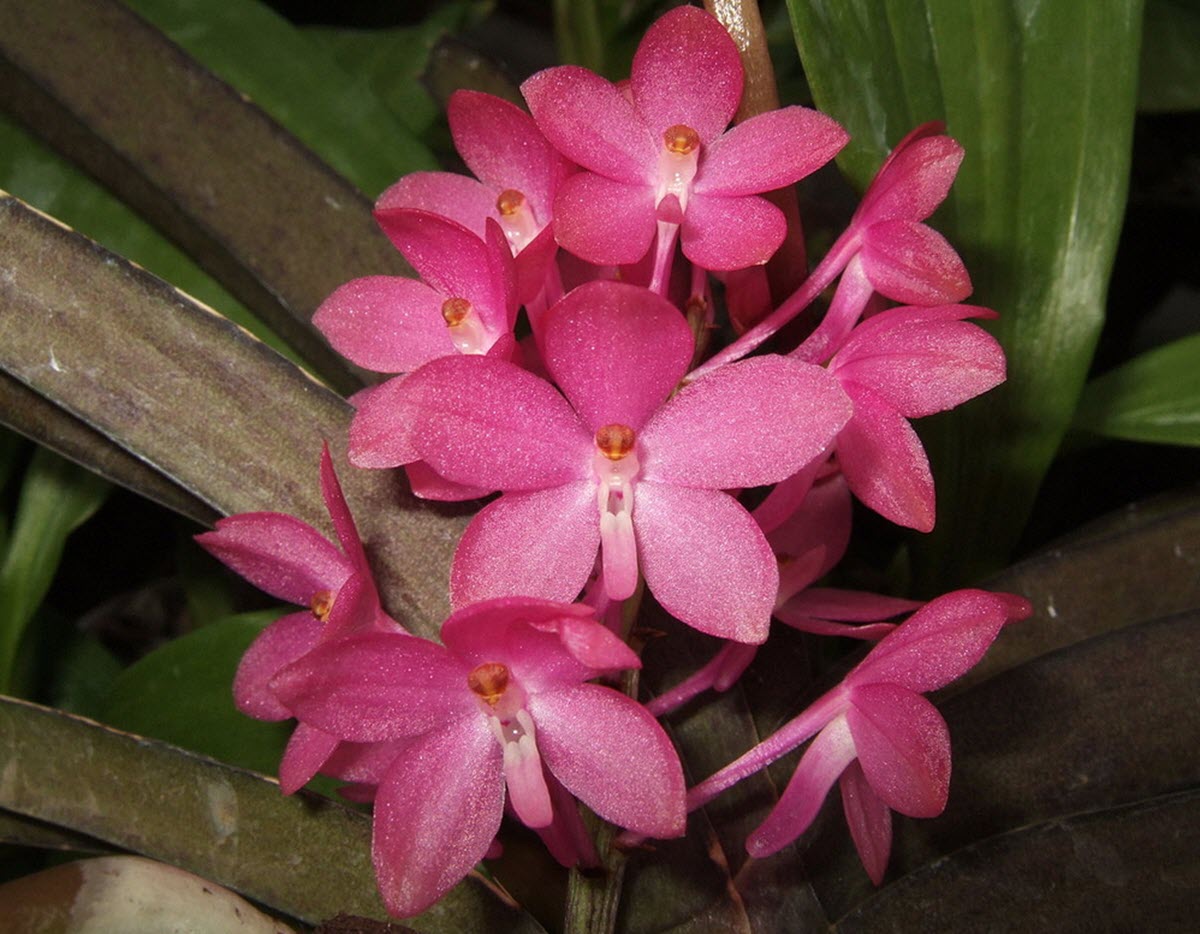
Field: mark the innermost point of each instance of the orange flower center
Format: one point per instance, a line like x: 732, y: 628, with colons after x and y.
x: 455, y: 311
x: 509, y: 201
x: 489, y: 681
x: 681, y: 139
x: 321, y: 604
x: 615, y: 441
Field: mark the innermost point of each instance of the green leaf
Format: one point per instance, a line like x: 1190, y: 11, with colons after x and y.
x: 1170, y: 67
x: 201, y: 401
x: 1041, y: 96
x: 302, y: 855
x: 331, y: 110
x: 83, y: 674
x: 56, y: 498
x: 1153, y: 397
x: 181, y: 693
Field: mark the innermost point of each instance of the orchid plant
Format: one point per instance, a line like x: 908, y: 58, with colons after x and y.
x: 612, y: 450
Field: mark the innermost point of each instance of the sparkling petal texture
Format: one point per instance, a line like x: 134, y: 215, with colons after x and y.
x: 616, y: 351
x: 705, y: 560
x: 427, y: 483
x: 339, y: 513
x: 279, y: 554
x: 903, y: 746
x: 705, y: 234
x: 437, y: 814
x: 914, y: 264
x: 604, y: 221
x: 686, y: 70
x: 277, y: 646
x: 941, y: 641
x: 820, y: 766
x: 787, y: 414
x: 541, y: 544
x: 385, y: 323
x: 463, y: 200
x: 914, y: 179
x: 611, y: 754
x: 381, y: 431
x: 769, y: 151
x: 884, y: 462
x: 592, y: 123
x: 869, y: 819
x: 307, y: 751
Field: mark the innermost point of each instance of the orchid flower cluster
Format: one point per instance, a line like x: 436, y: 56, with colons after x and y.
x: 619, y: 446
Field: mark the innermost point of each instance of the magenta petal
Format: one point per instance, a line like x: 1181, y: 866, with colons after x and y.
x: 705, y: 560
x: 459, y: 198
x: 915, y: 178
x: 306, y: 752
x: 616, y: 351
x: 799, y: 141
x: 374, y: 687
x: 819, y: 768
x: 612, y: 755
x: 534, y: 263
x: 686, y: 70
x: 385, y: 323
x: 730, y: 233
x: 502, y: 145
x: 339, y: 512
x: 870, y: 821
x: 749, y: 423
x: 278, y: 554
x: 524, y: 778
x: 381, y: 430
x: 276, y: 647
x: 427, y: 483
x: 540, y: 544
x: 485, y: 422
x: 854, y: 606
x: 922, y: 368
x: 904, y: 747
x: 437, y: 814
x: 604, y: 221
x: 942, y: 640
x: 914, y: 264
x: 592, y: 123
x: 884, y: 462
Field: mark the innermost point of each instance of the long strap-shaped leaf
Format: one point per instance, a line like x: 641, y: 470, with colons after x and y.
x: 204, y: 403
x: 1041, y: 96
x: 304, y: 856
x: 250, y: 203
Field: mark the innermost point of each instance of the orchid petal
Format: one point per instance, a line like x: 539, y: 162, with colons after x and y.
x: 364, y: 763
x: 307, y: 751
x: 376, y: 687
x: 339, y: 512
x: 749, y: 423
x: 705, y: 560
x: 618, y: 554
x: 381, y: 430
x: 769, y: 151
x: 527, y: 791
x: 285, y: 640
x: 279, y: 554
x: 870, y: 821
x: 612, y: 755
x: 884, y: 462
x: 616, y: 351
x: 592, y: 123
x: 941, y: 641
x: 542, y: 544
x: 437, y: 814
x: 730, y: 233
x: 903, y: 746
x: 815, y: 538
x: 870, y: 632
x: 687, y: 70
x: 488, y: 423
x: 427, y: 483
x: 855, y: 606
x: 604, y: 221
x: 911, y: 263
x: 914, y: 179
x: 458, y: 198
x: 819, y: 768
x: 533, y: 265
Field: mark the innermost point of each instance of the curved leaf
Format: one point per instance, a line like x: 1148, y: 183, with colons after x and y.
x: 1041, y: 96
x: 1170, y: 72
x: 301, y: 855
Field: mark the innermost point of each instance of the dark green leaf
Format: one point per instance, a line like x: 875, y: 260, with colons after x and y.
x: 1170, y: 66
x: 1153, y: 397
x: 301, y: 855
x: 1041, y: 96
x: 182, y: 693
x: 56, y: 497
x: 84, y: 671
x: 201, y: 401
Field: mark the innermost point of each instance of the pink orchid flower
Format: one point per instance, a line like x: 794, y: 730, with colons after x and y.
x: 517, y: 175
x: 615, y: 465
x: 886, y: 743
x: 900, y: 364
x: 662, y: 153
x: 291, y: 560
x: 502, y: 702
